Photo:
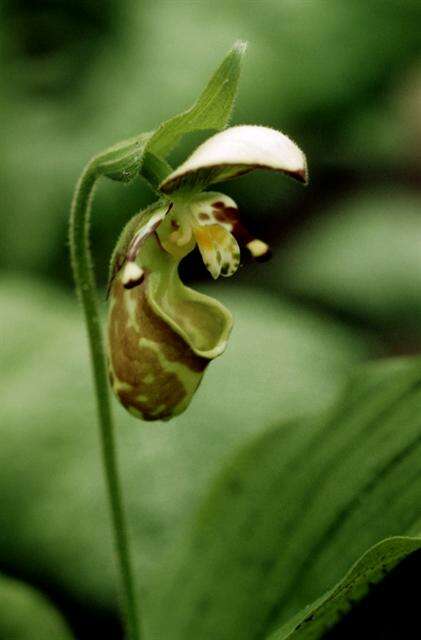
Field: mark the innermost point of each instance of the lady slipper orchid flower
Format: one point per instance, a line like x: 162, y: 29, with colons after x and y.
x: 162, y: 334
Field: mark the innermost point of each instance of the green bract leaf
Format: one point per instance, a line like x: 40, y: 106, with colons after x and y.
x: 211, y: 111
x: 26, y: 615
x: 314, y: 620
x: 295, y: 509
x: 236, y: 151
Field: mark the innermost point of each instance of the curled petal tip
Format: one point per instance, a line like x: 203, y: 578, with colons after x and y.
x: 301, y: 175
x: 304, y: 176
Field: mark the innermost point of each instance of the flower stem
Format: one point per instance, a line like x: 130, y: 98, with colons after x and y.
x: 83, y: 272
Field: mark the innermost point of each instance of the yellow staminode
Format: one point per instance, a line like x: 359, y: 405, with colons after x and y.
x: 257, y: 248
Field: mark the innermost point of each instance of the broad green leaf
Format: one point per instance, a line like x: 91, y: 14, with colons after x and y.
x: 315, y: 619
x: 27, y: 615
x: 212, y: 110
x: 294, y: 509
x: 279, y: 359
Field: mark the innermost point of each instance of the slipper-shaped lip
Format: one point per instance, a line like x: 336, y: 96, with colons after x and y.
x: 163, y: 308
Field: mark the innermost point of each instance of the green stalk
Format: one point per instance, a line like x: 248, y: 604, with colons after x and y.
x: 83, y: 272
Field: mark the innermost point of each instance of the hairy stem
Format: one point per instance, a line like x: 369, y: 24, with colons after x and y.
x: 83, y: 272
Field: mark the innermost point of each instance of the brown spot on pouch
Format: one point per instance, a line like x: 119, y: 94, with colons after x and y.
x: 166, y: 390
x: 133, y: 364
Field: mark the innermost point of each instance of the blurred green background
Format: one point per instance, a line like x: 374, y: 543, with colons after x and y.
x: 341, y: 78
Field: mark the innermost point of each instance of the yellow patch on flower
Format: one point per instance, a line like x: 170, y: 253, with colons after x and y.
x: 219, y: 249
